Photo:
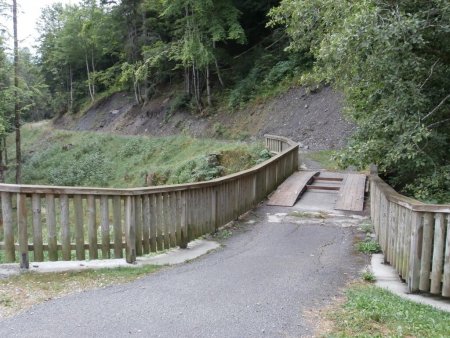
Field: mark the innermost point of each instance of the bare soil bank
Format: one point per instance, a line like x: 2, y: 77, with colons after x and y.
x: 314, y: 119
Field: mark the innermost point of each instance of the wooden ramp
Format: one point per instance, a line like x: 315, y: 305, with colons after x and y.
x: 288, y: 192
x: 351, y: 193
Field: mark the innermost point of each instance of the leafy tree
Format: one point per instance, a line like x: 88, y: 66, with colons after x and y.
x: 199, y: 26
x: 392, y: 61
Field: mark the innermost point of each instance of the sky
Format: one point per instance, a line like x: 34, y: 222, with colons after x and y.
x: 28, y: 15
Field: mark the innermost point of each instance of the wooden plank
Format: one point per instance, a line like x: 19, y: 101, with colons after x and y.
x: 153, y: 224
x: 65, y: 228
x: 351, y: 194
x: 178, y: 219
x: 146, y: 223
x: 138, y: 223
x: 104, y: 224
x: 166, y: 220
x: 37, y: 228
x: 8, y: 230
x: 173, y: 218
x: 92, y: 227
x: 51, y: 224
x: 23, y: 230
x: 289, y: 191
x: 184, y: 220
x: 438, y: 254
x: 330, y: 179
x: 130, y: 230
x: 427, y: 246
x: 117, y: 224
x: 322, y: 187
x: 79, y: 231
x: 415, y: 252
x: 159, y: 222
x: 446, y: 277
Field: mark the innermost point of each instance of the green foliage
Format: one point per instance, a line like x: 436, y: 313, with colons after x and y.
x: 392, y: 62
x: 369, y: 246
x: 371, y: 311
x: 95, y: 159
x: 201, y: 169
x: 368, y: 276
x: 366, y: 227
x: 326, y: 158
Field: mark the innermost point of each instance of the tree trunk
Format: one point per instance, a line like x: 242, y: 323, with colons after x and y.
x: 89, y: 77
x: 93, y: 73
x: 217, y: 67
x: 71, y: 89
x: 16, y: 97
x: 208, y: 87
x: 2, y: 166
x: 6, y: 150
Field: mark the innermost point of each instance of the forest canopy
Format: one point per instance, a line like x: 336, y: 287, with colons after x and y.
x: 390, y: 59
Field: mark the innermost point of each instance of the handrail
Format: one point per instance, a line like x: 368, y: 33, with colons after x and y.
x: 414, y: 236
x: 44, y: 189
x: 52, y: 221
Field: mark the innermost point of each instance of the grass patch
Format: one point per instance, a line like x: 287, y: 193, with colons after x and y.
x: 373, y: 312
x: 367, y: 228
x: 368, y: 276
x: 223, y: 234
x: 20, y: 292
x: 58, y: 157
x: 369, y: 246
x: 324, y: 157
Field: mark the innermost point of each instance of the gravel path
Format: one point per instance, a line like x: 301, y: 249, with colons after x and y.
x: 259, y: 284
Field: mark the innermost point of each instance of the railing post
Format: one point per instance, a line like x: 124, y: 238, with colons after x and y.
x: 130, y: 230
x: 415, y: 252
x: 10, y: 254
x: 184, y: 220
x: 23, y: 231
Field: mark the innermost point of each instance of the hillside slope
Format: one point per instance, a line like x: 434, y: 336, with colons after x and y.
x: 314, y: 119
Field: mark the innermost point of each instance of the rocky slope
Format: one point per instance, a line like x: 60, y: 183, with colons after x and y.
x: 312, y: 118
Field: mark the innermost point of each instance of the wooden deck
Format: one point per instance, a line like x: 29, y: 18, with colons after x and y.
x: 351, y: 193
x: 288, y: 192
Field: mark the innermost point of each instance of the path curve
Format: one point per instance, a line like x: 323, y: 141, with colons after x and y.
x: 259, y: 284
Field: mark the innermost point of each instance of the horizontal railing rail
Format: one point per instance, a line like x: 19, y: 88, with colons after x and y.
x: 64, y: 223
x: 414, y: 236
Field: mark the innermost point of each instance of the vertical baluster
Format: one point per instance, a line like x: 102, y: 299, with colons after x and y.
x: 79, y: 230
x: 38, y: 247
x: 51, y: 224
x: 8, y: 230
x: 92, y: 228
x: 104, y: 206
x: 23, y: 230
x: 65, y: 228
x: 117, y: 224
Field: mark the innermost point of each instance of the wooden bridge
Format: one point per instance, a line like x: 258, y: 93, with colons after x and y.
x: 349, y: 189
x: 64, y: 223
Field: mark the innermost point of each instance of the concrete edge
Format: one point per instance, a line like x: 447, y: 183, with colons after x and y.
x: 387, y: 278
x: 174, y: 256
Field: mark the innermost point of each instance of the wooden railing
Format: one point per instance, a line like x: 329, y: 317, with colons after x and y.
x: 415, y: 238
x: 64, y: 223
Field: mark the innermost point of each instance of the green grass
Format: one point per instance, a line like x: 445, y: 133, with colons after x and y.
x: 22, y: 291
x: 58, y: 157
x: 373, y: 312
x: 369, y: 246
x: 324, y: 158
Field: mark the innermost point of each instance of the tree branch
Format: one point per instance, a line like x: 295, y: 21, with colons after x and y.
x: 433, y: 125
x: 429, y: 76
x: 436, y: 108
